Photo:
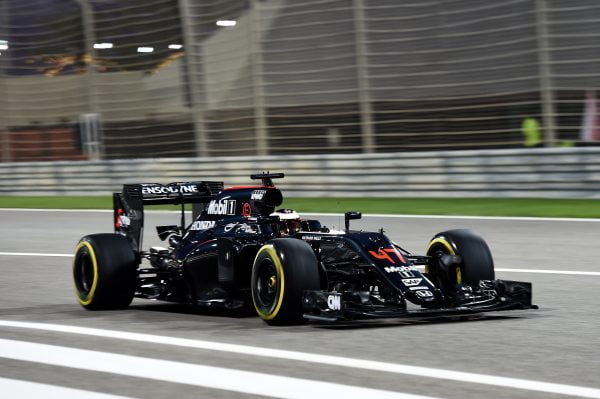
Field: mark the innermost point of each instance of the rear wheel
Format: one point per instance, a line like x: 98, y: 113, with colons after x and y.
x: 474, y: 261
x: 283, y: 269
x: 104, y: 271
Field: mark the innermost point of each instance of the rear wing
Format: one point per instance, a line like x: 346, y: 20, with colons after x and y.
x: 128, y: 205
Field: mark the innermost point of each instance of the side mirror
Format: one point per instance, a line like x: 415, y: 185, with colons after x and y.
x: 352, y: 215
x: 311, y: 225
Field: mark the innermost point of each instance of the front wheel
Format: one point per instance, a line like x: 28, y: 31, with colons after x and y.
x: 104, y: 271
x: 473, y: 263
x: 283, y: 269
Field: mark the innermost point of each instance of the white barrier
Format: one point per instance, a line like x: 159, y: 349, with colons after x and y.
x: 551, y: 173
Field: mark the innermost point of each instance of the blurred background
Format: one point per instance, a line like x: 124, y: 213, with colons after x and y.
x: 121, y: 79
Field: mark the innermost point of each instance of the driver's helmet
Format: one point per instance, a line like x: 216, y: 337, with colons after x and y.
x: 289, y: 221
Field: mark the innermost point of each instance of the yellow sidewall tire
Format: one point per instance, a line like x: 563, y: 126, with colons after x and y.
x: 269, y: 251
x: 86, y: 298
x: 292, y: 266
x: 443, y: 242
x: 450, y: 250
x: 476, y: 259
x: 105, y: 271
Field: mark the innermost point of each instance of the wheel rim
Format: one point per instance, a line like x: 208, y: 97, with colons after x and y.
x: 266, y: 285
x: 450, y: 279
x: 84, y: 272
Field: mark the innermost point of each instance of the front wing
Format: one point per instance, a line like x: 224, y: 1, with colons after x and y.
x: 490, y: 296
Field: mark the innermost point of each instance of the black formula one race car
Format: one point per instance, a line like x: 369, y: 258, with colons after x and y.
x: 239, y: 251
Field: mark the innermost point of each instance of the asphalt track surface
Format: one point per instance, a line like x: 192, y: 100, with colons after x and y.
x: 553, y: 352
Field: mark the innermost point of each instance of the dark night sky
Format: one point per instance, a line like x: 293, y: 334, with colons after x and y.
x: 42, y: 32
x: 45, y: 32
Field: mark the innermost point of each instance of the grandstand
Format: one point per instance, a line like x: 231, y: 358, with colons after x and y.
x: 108, y: 79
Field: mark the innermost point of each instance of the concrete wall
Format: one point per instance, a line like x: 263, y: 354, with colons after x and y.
x: 550, y: 173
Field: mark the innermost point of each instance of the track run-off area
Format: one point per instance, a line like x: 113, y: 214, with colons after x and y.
x: 51, y: 347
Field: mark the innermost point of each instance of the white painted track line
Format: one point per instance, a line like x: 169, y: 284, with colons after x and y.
x: 56, y: 210
x: 546, y: 271
x: 26, y: 389
x: 337, y: 361
x: 467, y: 217
x: 34, y: 254
x: 341, y: 214
x: 80, y: 210
x: 537, y: 271
x: 190, y: 374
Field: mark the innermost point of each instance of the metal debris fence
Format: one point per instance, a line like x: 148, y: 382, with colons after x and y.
x: 169, y: 78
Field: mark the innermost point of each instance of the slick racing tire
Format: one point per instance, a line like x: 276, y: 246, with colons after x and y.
x: 475, y: 261
x: 104, y: 271
x: 283, y: 269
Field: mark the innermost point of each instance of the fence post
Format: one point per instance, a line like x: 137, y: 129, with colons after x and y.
x: 362, y: 78
x: 195, y: 85
x: 4, y: 134
x: 545, y: 71
x: 256, y: 61
x: 89, y: 38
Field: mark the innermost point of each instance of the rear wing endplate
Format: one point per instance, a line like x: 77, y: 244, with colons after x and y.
x: 128, y: 205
